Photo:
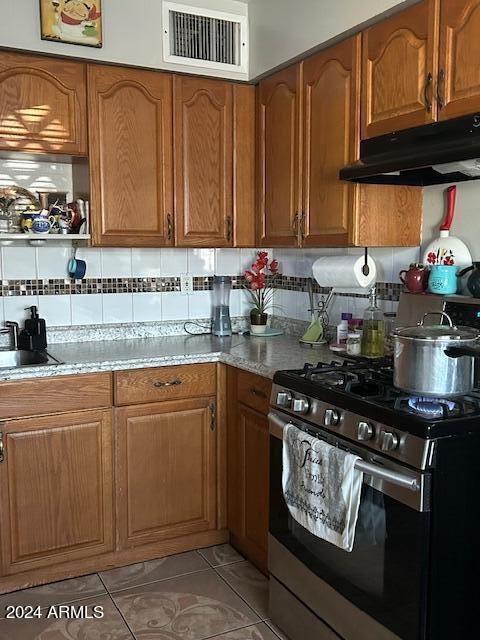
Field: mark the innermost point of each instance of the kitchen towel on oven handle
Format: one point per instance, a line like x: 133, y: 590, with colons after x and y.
x: 321, y: 487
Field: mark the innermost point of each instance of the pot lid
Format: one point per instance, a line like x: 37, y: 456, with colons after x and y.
x: 438, y: 332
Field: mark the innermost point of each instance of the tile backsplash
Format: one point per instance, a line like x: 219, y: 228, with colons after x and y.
x: 143, y: 285
x: 121, y: 285
x: 298, y: 262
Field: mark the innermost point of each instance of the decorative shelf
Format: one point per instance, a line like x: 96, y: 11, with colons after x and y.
x: 39, y: 239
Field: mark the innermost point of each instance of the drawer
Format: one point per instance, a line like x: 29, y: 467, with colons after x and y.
x: 23, y: 398
x: 254, y: 391
x: 137, y: 386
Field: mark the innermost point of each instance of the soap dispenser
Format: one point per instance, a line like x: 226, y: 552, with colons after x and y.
x: 34, y: 335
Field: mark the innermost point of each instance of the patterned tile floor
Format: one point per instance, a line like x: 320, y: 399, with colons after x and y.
x: 211, y: 593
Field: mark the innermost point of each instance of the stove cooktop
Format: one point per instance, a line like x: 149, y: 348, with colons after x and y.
x: 366, y: 387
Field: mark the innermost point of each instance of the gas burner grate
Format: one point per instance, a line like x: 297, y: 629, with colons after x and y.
x: 433, y: 407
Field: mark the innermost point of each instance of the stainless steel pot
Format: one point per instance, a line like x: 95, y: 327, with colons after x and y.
x: 435, y: 361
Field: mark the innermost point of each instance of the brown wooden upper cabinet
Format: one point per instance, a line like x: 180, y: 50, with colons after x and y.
x: 210, y: 172
x: 459, y: 67
x: 279, y: 179
x: 43, y: 104
x: 302, y: 201
x: 331, y: 85
x: 400, y: 70
x: 421, y: 65
x: 131, y: 156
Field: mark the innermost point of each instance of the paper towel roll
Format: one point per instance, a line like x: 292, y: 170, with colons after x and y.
x: 344, y: 271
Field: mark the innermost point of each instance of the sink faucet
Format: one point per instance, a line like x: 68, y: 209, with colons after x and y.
x: 13, y: 329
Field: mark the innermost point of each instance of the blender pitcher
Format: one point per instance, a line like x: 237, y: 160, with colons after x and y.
x: 222, y: 325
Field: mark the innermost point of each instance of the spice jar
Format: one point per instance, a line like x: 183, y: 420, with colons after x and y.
x: 354, y: 344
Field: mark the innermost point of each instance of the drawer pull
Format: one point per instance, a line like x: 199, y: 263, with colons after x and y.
x: 174, y: 383
x: 258, y: 392
x: 2, y: 447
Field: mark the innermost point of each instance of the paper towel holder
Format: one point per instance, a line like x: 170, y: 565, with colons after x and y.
x: 366, y: 268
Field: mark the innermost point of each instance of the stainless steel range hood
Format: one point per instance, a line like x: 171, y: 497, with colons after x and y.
x: 436, y: 153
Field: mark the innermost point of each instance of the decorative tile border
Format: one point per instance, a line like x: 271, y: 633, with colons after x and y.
x: 89, y: 286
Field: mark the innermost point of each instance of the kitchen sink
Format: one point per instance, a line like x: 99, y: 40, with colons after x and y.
x: 11, y: 359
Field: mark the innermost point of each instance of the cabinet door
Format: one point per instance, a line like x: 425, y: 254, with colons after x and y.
x: 459, y: 73
x: 331, y: 83
x: 130, y: 125
x: 249, y: 483
x: 166, y: 470
x: 43, y: 105
x: 56, y: 495
x: 203, y: 162
x: 399, y: 70
x: 279, y: 161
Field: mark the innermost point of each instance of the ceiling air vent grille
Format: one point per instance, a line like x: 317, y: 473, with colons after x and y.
x: 200, y: 37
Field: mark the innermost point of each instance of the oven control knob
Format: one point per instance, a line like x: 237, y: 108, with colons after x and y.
x: 389, y: 441
x: 301, y: 405
x: 284, y: 399
x: 365, y: 431
x: 331, y: 418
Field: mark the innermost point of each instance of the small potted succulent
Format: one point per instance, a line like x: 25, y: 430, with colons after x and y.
x: 260, y: 280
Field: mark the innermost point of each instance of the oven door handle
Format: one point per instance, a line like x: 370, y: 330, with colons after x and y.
x: 407, y: 482
x: 393, y: 477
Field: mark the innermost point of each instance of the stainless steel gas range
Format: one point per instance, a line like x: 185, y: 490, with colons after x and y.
x: 412, y: 574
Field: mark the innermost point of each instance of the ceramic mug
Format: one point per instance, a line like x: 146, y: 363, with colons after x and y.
x: 443, y: 279
x: 35, y: 219
x: 41, y: 225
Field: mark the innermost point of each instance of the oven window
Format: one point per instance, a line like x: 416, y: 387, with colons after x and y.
x: 385, y: 574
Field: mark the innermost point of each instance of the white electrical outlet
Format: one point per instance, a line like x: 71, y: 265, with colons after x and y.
x: 186, y: 285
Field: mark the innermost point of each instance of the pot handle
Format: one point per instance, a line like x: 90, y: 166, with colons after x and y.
x: 459, y: 352
x: 436, y: 313
x: 465, y: 271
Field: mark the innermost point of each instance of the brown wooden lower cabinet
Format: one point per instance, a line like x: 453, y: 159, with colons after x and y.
x: 91, y: 489
x: 166, y: 470
x: 56, y: 489
x: 248, y: 467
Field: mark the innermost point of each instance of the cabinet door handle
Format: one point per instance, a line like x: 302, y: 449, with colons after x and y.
x: 427, y: 92
x: 169, y: 227
x: 172, y: 383
x: 258, y: 392
x: 441, y: 89
x: 2, y: 448
x: 213, y: 416
x: 229, y: 223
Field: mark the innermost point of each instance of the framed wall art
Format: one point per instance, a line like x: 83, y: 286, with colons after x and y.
x: 72, y: 21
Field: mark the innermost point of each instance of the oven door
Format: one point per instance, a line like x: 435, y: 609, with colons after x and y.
x: 379, y: 589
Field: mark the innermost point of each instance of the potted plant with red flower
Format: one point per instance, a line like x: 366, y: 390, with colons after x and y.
x: 260, y: 280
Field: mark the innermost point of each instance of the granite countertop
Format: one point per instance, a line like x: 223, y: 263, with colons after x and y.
x: 263, y: 356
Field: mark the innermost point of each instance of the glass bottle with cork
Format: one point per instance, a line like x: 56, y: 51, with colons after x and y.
x: 373, y: 335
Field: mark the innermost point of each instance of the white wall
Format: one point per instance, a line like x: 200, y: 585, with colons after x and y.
x: 466, y: 223
x: 132, y: 32
x: 283, y: 29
